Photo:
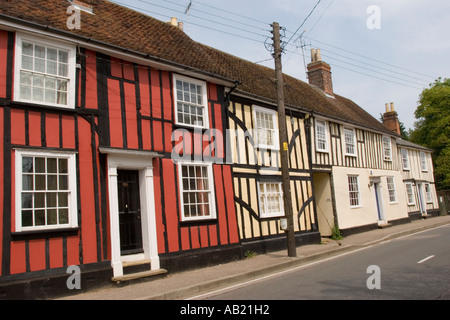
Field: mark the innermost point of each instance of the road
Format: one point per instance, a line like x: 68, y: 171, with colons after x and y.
x: 412, y: 267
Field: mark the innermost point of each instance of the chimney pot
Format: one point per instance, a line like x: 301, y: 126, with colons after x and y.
x: 180, y: 25
x: 173, y: 21
x: 392, y: 107
x: 387, y: 107
x: 318, y: 55
x: 313, y: 55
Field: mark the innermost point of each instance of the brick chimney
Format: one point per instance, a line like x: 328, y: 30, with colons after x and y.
x: 390, y: 118
x: 319, y: 72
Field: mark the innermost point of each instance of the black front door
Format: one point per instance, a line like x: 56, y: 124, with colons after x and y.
x: 129, y: 212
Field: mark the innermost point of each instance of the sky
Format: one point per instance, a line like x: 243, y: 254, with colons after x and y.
x: 379, y: 51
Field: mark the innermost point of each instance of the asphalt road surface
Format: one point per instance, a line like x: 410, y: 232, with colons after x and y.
x: 412, y: 267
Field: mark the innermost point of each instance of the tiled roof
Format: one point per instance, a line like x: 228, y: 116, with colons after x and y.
x: 123, y: 27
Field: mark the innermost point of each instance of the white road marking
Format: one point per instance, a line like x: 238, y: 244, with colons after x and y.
x: 426, y: 259
x: 273, y: 275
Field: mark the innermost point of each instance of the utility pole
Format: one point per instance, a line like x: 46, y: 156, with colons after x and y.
x: 284, y: 145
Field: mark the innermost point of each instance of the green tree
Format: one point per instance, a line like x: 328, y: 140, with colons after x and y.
x: 432, y: 128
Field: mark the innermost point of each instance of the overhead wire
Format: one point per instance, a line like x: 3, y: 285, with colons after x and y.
x: 369, y: 75
x: 221, y: 29
x: 196, y: 24
x: 301, y: 25
x: 198, y: 17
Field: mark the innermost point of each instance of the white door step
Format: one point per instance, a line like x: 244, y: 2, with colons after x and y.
x: 383, y: 224
x: 139, y: 275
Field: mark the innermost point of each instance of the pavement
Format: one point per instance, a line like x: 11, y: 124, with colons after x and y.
x: 184, y: 285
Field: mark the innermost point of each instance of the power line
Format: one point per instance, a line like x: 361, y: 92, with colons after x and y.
x: 310, y: 13
x: 287, y: 43
x: 365, y: 57
x: 233, y: 13
x: 198, y: 25
x: 209, y: 20
x: 192, y: 7
x: 368, y: 75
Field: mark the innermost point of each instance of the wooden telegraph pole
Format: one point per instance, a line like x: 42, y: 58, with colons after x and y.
x: 284, y: 145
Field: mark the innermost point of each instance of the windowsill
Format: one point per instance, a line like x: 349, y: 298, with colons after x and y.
x: 206, y: 221
x: 39, y: 106
x: 44, y: 233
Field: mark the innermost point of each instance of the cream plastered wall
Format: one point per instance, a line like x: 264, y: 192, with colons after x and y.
x: 366, y: 213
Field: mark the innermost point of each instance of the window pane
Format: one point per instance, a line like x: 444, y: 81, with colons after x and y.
x: 27, y: 48
x: 39, y: 200
x: 63, y: 216
x: 27, y: 182
x: 52, y: 54
x: 50, y: 96
x: 52, y: 182
x: 51, y: 165
x: 63, y: 56
x: 38, y: 81
x: 38, y: 94
x: 63, y: 185
x: 39, y: 217
x: 179, y: 85
x: 27, y: 63
x: 52, y: 67
x: 27, y: 165
x: 27, y: 200
x: 40, y: 51
x: 40, y: 165
x: 25, y: 93
x: 40, y: 182
x: 39, y: 65
x: 62, y: 166
x: 52, y: 217
x: 27, y: 218
x: 63, y: 70
x: 61, y: 98
x: 63, y: 199
x: 51, y: 200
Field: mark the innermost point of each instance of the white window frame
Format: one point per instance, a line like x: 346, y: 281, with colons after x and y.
x: 261, y: 130
x: 387, y: 145
x: 429, y: 197
x: 210, y: 190
x: 391, y: 189
x: 71, y: 77
x: 405, y: 159
x: 410, y: 198
x: 204, y: 104
x: 357, y: 191
x: 350, y: 141
x: 263, y: 207
x: 72, y: 189
x: 423, y: 161
x: 325, y: 140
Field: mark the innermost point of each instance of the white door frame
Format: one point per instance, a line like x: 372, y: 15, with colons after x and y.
x: 421, y: 197
x: 142, y: 161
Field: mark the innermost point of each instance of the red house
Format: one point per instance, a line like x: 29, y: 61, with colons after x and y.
x: 90, y: 116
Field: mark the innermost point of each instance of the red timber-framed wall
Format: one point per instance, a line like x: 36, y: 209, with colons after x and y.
x: 119, y: 106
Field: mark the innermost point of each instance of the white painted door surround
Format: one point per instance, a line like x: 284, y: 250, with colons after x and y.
x: 142, y: 161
